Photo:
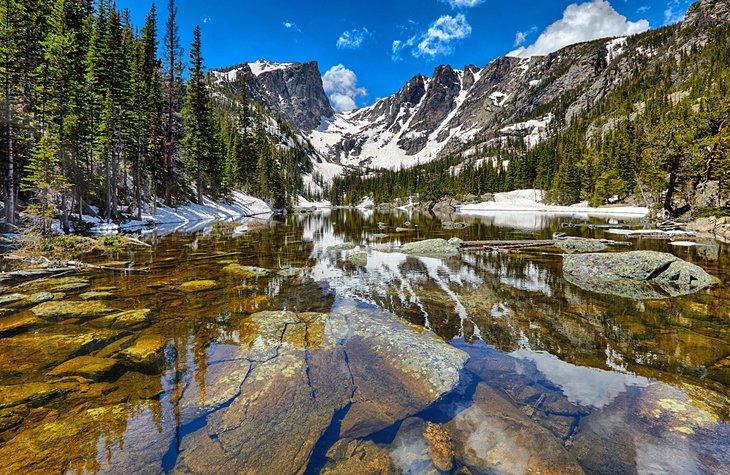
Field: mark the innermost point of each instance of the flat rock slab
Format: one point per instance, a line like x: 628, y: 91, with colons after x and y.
x: 61, y: 310
x: 89, y: 367
x: 96, y: 295
x: 638, y: 274
x: 130, y: 319
x: 18, y: 322
x: 147, y: 353
x: 50, y: 346
x: 294, y: 372
x: 430, y: 247
x: 247, y: 272
x: 195, y: 286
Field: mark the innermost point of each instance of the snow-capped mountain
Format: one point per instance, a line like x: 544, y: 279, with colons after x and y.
x: 293, y: 91
x: 462, y: 111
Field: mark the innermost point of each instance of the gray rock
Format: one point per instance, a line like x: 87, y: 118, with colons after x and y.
x: 430, y: 247
x: 576, y: 246
x: 359, y: 259
x: 638, y: 275
x: 345, y: 246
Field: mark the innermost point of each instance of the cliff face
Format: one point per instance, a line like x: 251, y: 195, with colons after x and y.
x: 292, y: 91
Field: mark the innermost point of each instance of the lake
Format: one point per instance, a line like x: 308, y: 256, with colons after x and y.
x: 261, y: 347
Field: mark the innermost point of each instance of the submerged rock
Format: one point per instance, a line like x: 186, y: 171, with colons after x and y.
x: 293, y: 271
x: 345, y: 246
x: 96, y: 295
x: 50, y: 346
x: 293, y: 373
x: 40, y: 297
x: 12, y: 298
x: 493, y: 436
x: 129, y: 319
x: 195, y: 286
x: 637, y: 275
x: 246, y: 272
x: 430, y: 247
x: 348, y: 457
x: 89, y: 367
x: 358, y: 259
x: 18, y: 322
x: 61, y: 310
x: 147, y: 353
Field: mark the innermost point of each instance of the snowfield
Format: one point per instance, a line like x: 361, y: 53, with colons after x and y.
x: 533, y: 201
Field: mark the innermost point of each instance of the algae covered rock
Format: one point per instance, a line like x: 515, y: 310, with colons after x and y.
x: 50, y: 346
x: 638, y: 274
x: 18, y: 322
x: 89, y: 367
x: 431, y: 247
x: 247, y: 272
x: 129, y: 319
x: 358, y: 259
x: 195, y: 286
x: 62, y: 310
x: 147, y: 353
x: 96, y: 295
x: 348, y: 457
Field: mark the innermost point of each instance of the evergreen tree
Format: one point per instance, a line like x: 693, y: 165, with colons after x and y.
x: 200, y: 136
x: 172, y: 55
x: 44, y: 179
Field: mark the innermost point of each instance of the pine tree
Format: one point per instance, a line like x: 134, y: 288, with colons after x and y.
x: 197, y: 112
x: 13, y: 21
x: 44, y: 179
x: 172, y: 55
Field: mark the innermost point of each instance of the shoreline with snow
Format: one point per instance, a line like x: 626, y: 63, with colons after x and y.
x: 190, y: 216
x: 532, y: 201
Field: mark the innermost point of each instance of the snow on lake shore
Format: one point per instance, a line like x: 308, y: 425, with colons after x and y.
x: 191, y: 216
x: 532, y: 201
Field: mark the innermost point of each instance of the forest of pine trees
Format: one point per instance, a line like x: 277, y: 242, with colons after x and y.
x: 118, y: 117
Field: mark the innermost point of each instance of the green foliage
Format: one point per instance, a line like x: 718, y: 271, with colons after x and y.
x: 43, y: 179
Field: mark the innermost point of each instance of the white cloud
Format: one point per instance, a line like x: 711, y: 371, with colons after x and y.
x: 290, y: 25
x: 463, y: 3
x: 340, y: 84
x: 441, y: 34
x: 399, y: 46
x: 207, y: 20
x: 584, y: 22
x: 674, y: 13
x: 521, y: 36
x: 352, y: 39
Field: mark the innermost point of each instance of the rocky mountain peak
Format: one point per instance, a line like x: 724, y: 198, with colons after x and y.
x: 292, y: 90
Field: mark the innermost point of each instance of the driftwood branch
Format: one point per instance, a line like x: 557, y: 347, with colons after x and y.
x: 529, y: 244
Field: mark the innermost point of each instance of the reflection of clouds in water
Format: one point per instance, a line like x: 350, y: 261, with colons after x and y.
x: 656, y: 456
x: 410, y: 454
x: 580, y: 384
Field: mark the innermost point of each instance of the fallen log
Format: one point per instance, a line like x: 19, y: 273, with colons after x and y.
x: 530, y: 244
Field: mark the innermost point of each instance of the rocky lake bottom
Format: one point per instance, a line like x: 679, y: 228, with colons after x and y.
x: 309, y: 344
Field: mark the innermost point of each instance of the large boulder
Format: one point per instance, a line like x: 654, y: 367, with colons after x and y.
x: 493, y: 436
x: 62, y: 310
x: 638, y: 275
x: 294, y: 373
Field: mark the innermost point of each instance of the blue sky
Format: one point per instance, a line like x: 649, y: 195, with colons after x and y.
x: 371, y: 48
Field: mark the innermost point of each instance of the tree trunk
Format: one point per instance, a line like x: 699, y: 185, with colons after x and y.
x: 671, y: 186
